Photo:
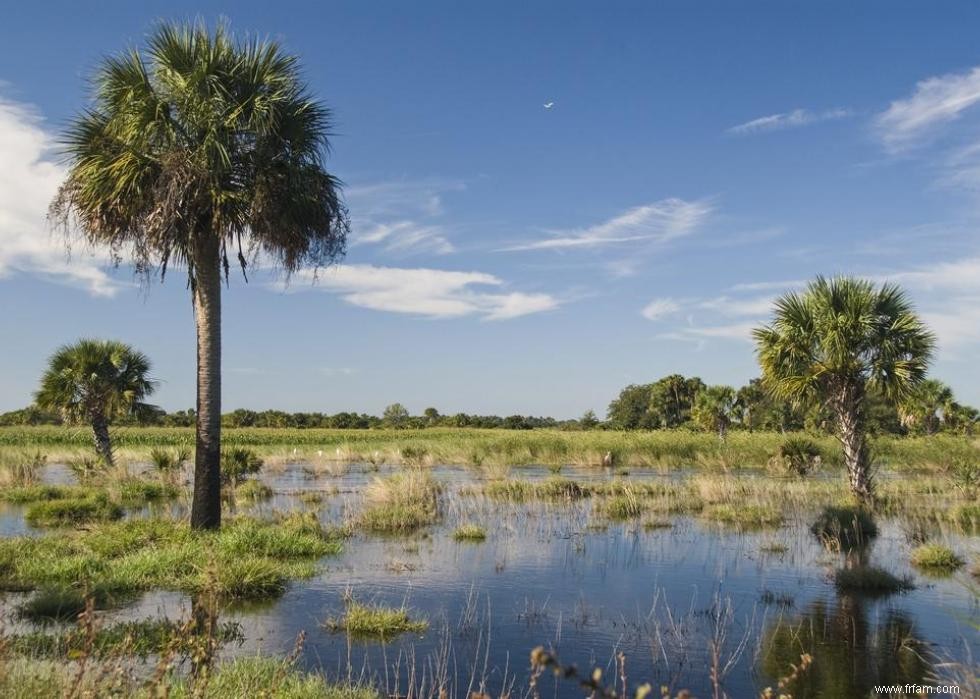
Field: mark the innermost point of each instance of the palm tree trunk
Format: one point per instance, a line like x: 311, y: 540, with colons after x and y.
x: 206, y: 290
x: 850, y: 423
x: 103, y: 444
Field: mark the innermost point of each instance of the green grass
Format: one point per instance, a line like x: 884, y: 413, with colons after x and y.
x: 748, y: 516
x: 844, y: 527
x: 936, y: 558
x: 870, y: 580
x: 470, y: 532
x: 38, y: 493
x: 376, y: 621
x: 247, y: 558
x: 253, y: 489
x: 673, y: 448
x: 258, y: 676
x: 552, y: 488
x: 73, y: 511
x: 621, y: 507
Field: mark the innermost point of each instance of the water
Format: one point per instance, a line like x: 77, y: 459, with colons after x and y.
x: 556, y: 575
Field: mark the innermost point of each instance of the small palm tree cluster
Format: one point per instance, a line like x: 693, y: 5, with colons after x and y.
x: 93, y: 382
x: 836, y: 342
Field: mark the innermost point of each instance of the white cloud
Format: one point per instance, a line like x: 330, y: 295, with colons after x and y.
x: 28, y: 181
x: 935, y: 100
x: 728, y: 306
x: 660, y: 221
x: 401, y: 216
x: 660, y: 308
x: 432, y: 293
x: 788, y: 120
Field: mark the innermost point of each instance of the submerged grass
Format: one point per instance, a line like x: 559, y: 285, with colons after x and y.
x: 246, y: 558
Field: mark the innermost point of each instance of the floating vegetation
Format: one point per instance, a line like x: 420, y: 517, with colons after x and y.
x: 376, y: 621
x: 470, y: 532
x: 936, y: 558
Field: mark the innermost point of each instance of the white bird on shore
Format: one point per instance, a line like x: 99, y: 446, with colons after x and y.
x: 549, y: 105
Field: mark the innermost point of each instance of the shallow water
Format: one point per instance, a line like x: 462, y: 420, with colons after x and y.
x: 558, y: 576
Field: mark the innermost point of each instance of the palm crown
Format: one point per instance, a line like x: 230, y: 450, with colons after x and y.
x: 95, y: 379
x: 203, y: 136
x: 844, y: 331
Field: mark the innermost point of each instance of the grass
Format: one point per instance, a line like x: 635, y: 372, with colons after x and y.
x: 247, y: 558
x: 253, y: 489
x: 936, y: 558
x: 73, y: 511
x: 401, y: 503
x: 256, y: 676
x: 748, y: 516
x: 376, y: 621
x: 470, y: 532
x: 844, y: 527
x: 870, y: 580
x: 622, y: 507
x: 662, y: 449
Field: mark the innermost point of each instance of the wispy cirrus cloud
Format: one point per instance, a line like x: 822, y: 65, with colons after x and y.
x: 660, y: 308
x: 402, y: 216
x: 431, y: 293
x: 788, y: 120
x: 28, y: 180
x: 936, y: 100
x: 659, y: 221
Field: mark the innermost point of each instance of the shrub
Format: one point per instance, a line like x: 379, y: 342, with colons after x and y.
x: 844, y: 527
x: 936, y: 558
x: 798, y: 455
x: 167, y: 461
x: 237, y: 464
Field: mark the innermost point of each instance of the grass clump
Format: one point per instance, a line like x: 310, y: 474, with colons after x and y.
x: 552, y: 488
x: 401, y: 503
x: 238, y: 464
x: 470, y: 532
x: 745, y: 515
x: 376, y: 621
x: 247, y: 558
x: 266, y: 677
x: 72, y: 511
x: 844, y: 527
x: 622, y: 507
x: 936, y: 558
x: 53, y: 604
x: 253, y: 489
x: 870, y: 580
x: 37, y: 493
x: 797, y: 455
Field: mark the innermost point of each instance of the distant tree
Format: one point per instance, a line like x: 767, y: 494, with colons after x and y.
x: 714, y: 409
x: 631, y: 409
x: 671, y: 400
x: 95, y: 382
x: 926, y: 408
x: 837, y: 341
x: 588, y: 421
x: 431, y: 416
x: 757, y: 409
x: 395, y: 415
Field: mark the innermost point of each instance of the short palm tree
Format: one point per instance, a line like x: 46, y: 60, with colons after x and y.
x: 201, y: 149
x: 836, y: 341
x: 94, y: 382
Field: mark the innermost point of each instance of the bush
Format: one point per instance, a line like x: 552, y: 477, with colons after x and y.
x: 167, y: 461
x: 844, y: 527
x: 237, y: 464
x: 798, y: 455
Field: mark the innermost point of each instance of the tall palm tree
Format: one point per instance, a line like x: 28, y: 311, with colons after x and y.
x: 196, y: 150
x: 836, y: 341
x: 94, y: 382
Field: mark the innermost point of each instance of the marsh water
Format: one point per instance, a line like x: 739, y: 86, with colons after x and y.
x: 683, y: 599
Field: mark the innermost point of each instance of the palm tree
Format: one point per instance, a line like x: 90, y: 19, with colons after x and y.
x: 200, y: 149
x: 836, y: 341
x: 928, y: 406
x: 714, y: 409
x: 94, y: 382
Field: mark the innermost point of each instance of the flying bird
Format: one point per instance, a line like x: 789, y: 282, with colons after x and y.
x: 549, y: 105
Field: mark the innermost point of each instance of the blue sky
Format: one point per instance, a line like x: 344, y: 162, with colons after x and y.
x: 698, y: 159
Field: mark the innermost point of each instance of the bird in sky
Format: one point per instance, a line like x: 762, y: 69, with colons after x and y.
x: 549, y: 105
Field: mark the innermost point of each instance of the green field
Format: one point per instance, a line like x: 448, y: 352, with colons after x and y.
x: 479, y: 447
